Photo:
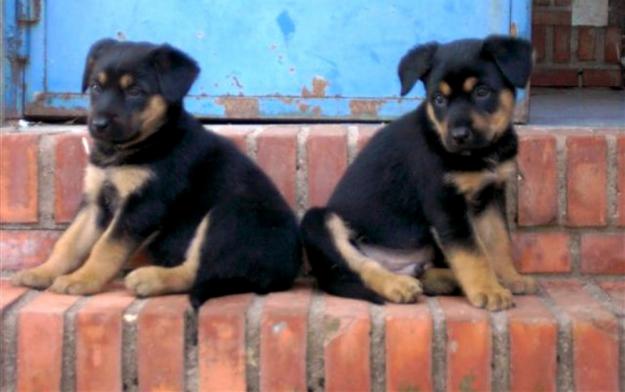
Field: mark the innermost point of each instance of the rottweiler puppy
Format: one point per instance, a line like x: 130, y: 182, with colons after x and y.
x: 211, y: 222
x: 428, y: 189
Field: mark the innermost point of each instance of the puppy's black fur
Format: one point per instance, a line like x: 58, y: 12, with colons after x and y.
x: 400, y: 193
x: 137, y: 120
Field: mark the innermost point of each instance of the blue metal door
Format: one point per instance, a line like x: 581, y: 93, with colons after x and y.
x: 261, y: 59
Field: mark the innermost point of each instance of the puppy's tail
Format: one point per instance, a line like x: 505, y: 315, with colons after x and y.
x: 328, y: 265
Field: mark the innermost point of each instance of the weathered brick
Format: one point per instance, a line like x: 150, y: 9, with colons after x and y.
x: 160, y: 344
x: 237, y: 134
x: 408, y: 347
x: 277, y: 156
x: 19, y: 178
x: 468, y: 345
x: 616, y: 291
x: 221, y: 340
x: 595, y: 336
x: 40, y: 342
x: 603, y: 253
x: 545, y: 16
x: 539, y: 41
x: 561, y: 44
x: 365, y: 133
x: 586, y: 38
x: 542, y: 2
x: 99, y: 342
x: 346, y: 345
x: 25, y: 248
x: 602, y: 77
x: 541, y: 252
x: 563, y: 3
x: 612, y: 44
x: 620, y: 183
x: 532, y: 341
x: 9, y: 294
x: 70, y: 161
x: 538, y: 186
x: 326, y: 151
x: 283, y: 334
x: 566, y: 77
x: 586, y: 181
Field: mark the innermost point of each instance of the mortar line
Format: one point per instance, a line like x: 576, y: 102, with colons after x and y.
x: 8, y: 352
x: 500, y: 351
x: 564, y: 349
x: 561, y: 178
x: 352, y: 143
x: 252, y: 343
x: 301, y: 174
x: 130, y: 376
x: 46, y: 192
x: 314, y: 353
x: 251, y: 142
x: 439, y: 346
x: 191, y: 350
x: 377, y: 353
x: 612, y: 173
x: 68, y: 372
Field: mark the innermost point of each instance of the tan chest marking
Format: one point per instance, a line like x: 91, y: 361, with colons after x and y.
x: 125, y: 179
x: 128, y: 179
x: 469, y: 183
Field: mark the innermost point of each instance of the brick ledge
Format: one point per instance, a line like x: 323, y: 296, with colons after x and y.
x: 572, y: 336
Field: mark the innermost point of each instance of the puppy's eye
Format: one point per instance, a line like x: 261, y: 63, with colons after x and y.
x: 481, y: 92
x: 95, y: 88
x: 439, y: 100
x: 134, y: 91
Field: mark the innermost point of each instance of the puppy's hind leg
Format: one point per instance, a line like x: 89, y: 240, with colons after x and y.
x: 393, y: 287
x: 439, y: 281
x: 154, y: 280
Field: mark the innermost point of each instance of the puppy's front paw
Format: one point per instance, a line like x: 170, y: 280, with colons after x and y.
x: 145, y: 282
x: 70, y: 284
x: 35, y: 278
x: 493, y: 298
x: 401, y: 289
x: 522, y: 285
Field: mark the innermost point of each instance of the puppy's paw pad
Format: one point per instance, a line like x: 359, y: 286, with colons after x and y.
x: 32, y: 278
x: 402, y: 289
x: 492, y: 299
x: 67, y: 284
x: 144, y: 282
x: 523, y: 285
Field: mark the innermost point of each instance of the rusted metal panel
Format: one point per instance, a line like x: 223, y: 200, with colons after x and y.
x: 260, y: 59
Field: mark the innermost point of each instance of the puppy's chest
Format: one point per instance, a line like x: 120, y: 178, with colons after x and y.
x: 114, y: 184
x: 470, y: 183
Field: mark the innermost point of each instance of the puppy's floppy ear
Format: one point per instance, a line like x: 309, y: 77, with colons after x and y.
x: 512, y: 55
x: 95, y: 51
x: 176, y: 72
x: 415, y: 65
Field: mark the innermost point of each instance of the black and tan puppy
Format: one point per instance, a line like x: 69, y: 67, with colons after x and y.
x: 211, y: 221
x: 428, y: 190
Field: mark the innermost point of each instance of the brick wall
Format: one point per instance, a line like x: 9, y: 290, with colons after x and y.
x: 568, y: 210
x: 567, y: 339
x: 568, y: 55
x: 567, y: 203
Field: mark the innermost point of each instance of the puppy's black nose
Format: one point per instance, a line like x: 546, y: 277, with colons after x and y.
x: 460, y: 134
x: 100, y: 123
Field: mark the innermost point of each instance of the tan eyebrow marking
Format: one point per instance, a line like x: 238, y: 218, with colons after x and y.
x: 469, y: 84
x: 126, y: 80
x: 444, y: 88
x: 102, y: 78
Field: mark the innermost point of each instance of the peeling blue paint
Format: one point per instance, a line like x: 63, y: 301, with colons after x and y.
x: 286, y: 25
x: 269, y: 53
